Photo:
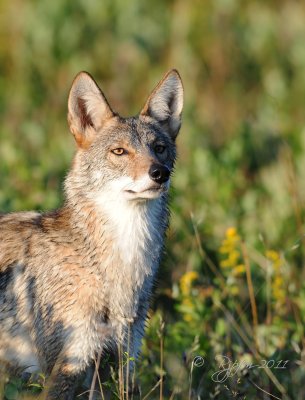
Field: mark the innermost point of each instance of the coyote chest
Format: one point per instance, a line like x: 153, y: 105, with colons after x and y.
x: 132, y: 257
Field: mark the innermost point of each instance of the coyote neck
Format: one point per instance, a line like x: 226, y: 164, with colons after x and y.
x: 128, y: 232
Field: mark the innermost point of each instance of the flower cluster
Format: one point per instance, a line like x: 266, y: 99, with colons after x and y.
x: 188, y: 305
x: 232, y: 264
x: 277, y: 284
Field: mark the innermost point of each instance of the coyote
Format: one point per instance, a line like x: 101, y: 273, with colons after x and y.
x: 77, y: 281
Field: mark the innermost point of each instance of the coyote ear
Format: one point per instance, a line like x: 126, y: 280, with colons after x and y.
x: 166, y: 102
x: 88, y: 109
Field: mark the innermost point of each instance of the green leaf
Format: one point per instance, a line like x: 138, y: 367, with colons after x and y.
x: 11, y: 392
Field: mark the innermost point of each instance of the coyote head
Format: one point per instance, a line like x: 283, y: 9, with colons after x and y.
x: 130, y: 157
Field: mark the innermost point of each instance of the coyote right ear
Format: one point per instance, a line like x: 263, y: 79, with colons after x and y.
x: 166, y: 102
x: 88, y: 109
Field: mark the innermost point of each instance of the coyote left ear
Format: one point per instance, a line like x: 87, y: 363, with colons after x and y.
x: 88, y: 109
x: 166, y: 102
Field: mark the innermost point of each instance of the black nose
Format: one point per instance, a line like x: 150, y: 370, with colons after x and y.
x: 159, y: 173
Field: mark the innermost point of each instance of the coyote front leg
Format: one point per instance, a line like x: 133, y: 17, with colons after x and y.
x: 62, y: 387
x: 62, y: 383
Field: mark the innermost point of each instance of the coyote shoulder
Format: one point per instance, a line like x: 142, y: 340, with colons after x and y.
x: 77, y: 281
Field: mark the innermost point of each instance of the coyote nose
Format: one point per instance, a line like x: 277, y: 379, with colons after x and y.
x: 159, y: 173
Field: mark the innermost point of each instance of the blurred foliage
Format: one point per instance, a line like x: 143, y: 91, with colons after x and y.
x: 241, y: 164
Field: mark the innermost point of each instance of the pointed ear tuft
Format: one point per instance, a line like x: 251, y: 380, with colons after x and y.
x: 88, y: 109
x: 166, y: 102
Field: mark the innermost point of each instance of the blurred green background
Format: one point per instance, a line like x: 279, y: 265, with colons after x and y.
x: 241, y: 161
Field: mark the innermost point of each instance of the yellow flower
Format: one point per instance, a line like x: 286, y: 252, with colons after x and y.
x: 278, y: 283
x: 224, y: 249
x: 232, y: 235
x: 230, y: 248
x: 239, y: 269
x: 186, y: 282
x: 226, y: 264
x: 186, y: 285
x: 187, y: 317
x: 234, y: 256
x: 231, y: 232
x: 272, y: 255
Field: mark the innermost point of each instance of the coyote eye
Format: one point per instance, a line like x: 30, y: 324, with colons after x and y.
x: 119, y: 152
x: 159, y: 148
